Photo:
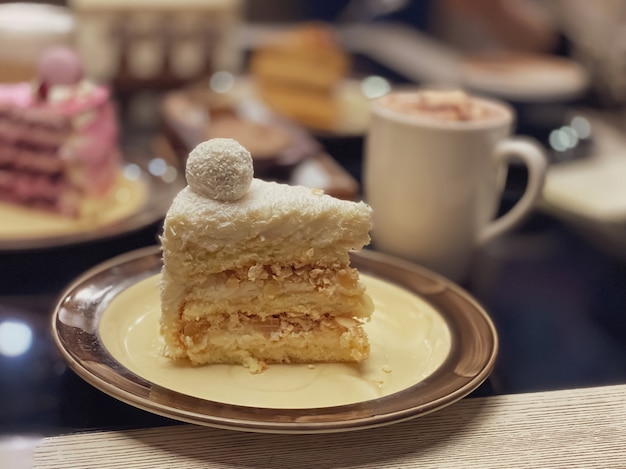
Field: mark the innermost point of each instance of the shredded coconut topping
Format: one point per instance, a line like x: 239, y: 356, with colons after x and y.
x: 219, y: 169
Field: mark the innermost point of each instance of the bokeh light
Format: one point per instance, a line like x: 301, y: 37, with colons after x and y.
x: 582, y: 127
x: 132, y: 172
x: 170, y: 174
x: 16, y: 338
x: 375, y: 86
x: 157, y: 166
x: 568, y: 137
x: 222, y: 82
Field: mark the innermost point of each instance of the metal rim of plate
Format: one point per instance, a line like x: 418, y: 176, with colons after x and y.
x: 159, y: 198
x: 469, y: 363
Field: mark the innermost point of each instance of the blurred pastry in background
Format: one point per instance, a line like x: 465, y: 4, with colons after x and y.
x: 156, y: 43
x: 281, y: 150
x: 192, y: 116
x: 298, y: 73
x: 58, y: 138
x: 266, y: 140
x: 523, y: 76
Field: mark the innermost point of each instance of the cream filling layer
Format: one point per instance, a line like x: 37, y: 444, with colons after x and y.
x: 281, y: 338
x: 269, y: 290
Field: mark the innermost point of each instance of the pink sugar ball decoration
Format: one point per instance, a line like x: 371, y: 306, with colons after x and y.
x: 58, y: 66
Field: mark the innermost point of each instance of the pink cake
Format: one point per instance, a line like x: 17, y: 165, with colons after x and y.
x: 58, y: 139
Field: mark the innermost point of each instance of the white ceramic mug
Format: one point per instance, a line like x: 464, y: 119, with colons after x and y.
x: 435, y: 183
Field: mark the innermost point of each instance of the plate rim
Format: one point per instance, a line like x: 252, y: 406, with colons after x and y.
x: 136, y: 391
x: 475, y: 80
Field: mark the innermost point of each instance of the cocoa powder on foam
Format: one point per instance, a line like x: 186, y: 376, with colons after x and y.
x: 445, y: 106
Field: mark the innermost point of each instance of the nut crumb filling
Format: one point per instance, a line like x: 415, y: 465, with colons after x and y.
x: 267, y: 290
x: 281, y: 338
x: 338, y: 275
x: 273, y: 327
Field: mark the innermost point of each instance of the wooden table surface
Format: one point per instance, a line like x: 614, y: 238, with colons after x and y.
x: 557, y: 429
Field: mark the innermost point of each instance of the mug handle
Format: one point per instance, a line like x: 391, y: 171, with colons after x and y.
x: 533, y: 156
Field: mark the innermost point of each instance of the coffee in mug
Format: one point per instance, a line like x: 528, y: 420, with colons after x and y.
x: 435, y: 167
x: 448, y: 106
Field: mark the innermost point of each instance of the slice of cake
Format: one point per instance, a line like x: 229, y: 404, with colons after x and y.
x: 257, y: 272
x: 58, y: 139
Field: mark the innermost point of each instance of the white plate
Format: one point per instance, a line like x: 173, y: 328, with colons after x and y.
x: 432, y: 344
x: 525, y: 77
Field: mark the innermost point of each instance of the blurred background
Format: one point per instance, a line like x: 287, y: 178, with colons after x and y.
x: 292, y: 81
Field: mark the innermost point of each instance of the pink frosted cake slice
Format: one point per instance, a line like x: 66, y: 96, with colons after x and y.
x: 58, y: 150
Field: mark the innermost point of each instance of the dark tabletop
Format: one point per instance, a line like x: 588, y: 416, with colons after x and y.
x: 557, y: 301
